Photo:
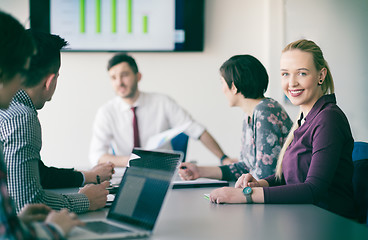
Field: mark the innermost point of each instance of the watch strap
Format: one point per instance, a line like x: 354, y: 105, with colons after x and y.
x: 247, y: 191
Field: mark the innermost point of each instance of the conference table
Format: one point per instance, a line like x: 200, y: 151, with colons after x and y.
x: 186, y: 215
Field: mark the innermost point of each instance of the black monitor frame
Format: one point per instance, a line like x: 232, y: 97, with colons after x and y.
x: 189, y: 16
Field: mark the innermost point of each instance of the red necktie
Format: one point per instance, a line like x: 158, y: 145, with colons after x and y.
x: 137, y: 142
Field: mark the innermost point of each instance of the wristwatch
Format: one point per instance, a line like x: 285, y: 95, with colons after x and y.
x: 247, y: 191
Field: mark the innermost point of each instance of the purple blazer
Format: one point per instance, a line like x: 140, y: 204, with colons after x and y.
x: 317, y: 166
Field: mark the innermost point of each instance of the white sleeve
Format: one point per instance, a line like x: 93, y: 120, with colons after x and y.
x: 195, y: 130
x: 101, y: 137
x: 178, y: 116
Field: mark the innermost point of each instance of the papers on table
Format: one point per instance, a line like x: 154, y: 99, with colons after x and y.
x: 200, y: 182
x: 160, y: 139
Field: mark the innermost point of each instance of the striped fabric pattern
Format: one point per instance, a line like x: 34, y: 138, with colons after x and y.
x: 20, y: 134
x: 10, y: 225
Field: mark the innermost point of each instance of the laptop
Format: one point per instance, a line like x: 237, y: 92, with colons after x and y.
x: 166, y: 160
x: 159, y: 159
x: 135, y: 209
x: 169, y: 161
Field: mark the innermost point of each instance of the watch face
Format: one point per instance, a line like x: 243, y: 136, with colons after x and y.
x: 247, y: 190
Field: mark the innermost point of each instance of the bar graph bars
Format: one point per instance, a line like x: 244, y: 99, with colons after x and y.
x: 82, y: 16
x: 113, y: 16
x: 145, y: 24
x: 98, y: 16
x: 129, y: 16
x: 116, y: 26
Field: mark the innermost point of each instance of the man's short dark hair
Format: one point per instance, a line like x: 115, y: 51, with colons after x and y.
x: 47, y: 59
x: 248, y: 75
x: 122, y: 57
x: 16, y: 46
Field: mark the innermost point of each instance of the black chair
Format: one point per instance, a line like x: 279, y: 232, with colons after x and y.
x: 360, y: 180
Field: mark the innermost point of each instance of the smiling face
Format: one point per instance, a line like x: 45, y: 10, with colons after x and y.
x: 125, y: 81
x: 300, y: 79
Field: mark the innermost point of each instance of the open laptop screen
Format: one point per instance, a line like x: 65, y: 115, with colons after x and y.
x: 140, y: 196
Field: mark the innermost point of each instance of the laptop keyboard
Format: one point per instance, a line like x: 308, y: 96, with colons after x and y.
x: 100, y: 227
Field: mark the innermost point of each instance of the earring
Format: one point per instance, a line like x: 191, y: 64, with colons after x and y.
x: 320, y: 82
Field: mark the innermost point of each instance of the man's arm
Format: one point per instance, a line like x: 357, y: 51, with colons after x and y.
x: 22, y: 155
x: 99, y: 173
x: 52, y: 177
x: 211, y: 144
x: 25, y: 188
x: 178, y: 116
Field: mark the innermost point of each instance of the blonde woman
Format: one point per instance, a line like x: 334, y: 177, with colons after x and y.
x: 315, y: 164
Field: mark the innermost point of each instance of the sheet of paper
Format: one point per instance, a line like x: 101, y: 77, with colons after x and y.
x: 162, y: 138
x: 110, y: 197
x: 200, y: 181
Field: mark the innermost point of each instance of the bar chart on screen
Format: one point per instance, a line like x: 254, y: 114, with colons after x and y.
x: 115, y: 24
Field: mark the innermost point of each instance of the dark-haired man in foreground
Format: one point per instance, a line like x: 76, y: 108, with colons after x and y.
x: 20, y: 134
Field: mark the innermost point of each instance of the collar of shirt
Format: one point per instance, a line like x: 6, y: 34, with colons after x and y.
x: 22, y: 97
x: 318, y: 107
x: 125, y: 106
x: 301, y: 120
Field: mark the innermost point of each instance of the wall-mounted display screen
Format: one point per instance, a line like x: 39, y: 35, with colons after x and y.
x: 122, y: 25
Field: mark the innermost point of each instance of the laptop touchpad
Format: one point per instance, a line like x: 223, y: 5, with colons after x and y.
x: 100, y: 227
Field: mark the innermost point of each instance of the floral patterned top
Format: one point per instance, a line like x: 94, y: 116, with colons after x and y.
x: 263, y: 135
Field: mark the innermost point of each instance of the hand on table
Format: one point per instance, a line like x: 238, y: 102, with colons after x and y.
x: 34, y: 212
x: 227, y: 195
x: 96, y: 194
x: 64, y: 219
x: 188, y: 171
x: 246, y: 180
x: 104, y: 171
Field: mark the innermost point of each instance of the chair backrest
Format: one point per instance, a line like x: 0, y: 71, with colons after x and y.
x: 180, y: 143
x: 360, y: 151
x: 360, y: 180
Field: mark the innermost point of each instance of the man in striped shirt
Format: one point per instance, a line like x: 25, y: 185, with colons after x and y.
x: 35, y: 221
x: 20, y: 134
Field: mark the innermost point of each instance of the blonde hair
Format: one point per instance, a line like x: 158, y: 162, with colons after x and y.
x: 327, y: 88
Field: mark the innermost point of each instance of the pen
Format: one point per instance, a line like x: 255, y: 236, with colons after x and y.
x: 206, y: 196
x: 98, y: 179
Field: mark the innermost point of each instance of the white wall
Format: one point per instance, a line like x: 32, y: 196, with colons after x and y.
x: 339, y: 27
x: 232, y: 27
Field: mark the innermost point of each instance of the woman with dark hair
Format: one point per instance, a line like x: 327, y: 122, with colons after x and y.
x: 16, y: 49
x: 315, y: 164
x: 265, y: 127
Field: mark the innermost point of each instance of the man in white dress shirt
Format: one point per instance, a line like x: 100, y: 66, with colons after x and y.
x: 113, y: 134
